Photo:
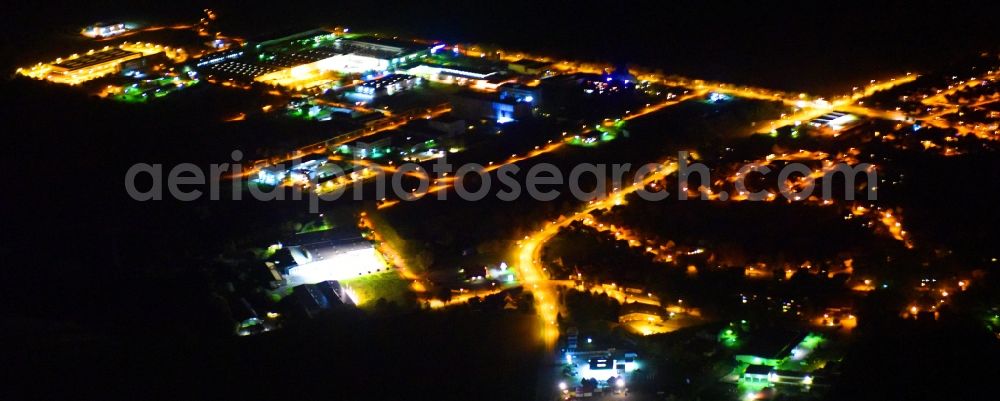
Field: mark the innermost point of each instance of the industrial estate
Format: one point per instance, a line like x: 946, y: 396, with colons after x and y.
x: 739, y: 293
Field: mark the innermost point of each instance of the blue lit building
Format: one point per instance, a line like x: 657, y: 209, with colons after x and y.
x: 489, y: 106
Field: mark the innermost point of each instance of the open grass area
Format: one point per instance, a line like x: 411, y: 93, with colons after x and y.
x: 388, y: 286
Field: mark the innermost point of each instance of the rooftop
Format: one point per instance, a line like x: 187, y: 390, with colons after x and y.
x: 348, y: 234
x: 762, y: 370
x: 529, y: 63
x: 402, y: 46
x: 772, y: 343
x: 241, y: 69
x: 95, y: 58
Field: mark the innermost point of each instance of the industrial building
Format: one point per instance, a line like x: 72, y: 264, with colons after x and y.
x: 82, y: 68
x: 603, y: 365
x: 219, y: 57
x: 239, y: 70
x: 299, y: 71
x: 528, y: 67
x: 335, y: 254
x: 302, y: 69
x: 366, y: 55
x: 79, y: 68
x: 763, y: 375
x: 478, y: 78
x: 769, y: 347
x: 376, y: 145
x: 311, y: 299
x: 835, y: 120
x: 314, y: 58
x: 488, y: 106
x: 388, y: 85
x: 288, y: 37
x: 378, y: 54
x: 520, y: 93
x: 448, y: 125
x: 106, y: 30
x: 301, y: 171
x: 640, y: 312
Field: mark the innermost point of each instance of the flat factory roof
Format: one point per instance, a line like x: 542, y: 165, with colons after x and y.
x: 95, y: 58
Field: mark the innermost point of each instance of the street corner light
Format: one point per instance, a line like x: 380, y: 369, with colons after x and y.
x: 563, y: 386
x: 620, y: 383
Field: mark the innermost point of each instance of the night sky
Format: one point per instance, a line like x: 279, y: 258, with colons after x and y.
x: 823, y: 47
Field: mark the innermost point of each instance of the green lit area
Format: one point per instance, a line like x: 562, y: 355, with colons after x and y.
x: 811, y: 341
x: 992, y: 320
x: 266, y: 253
x: 428, y: 149
x: 793, y: 132
x: 604, y: 132
x: 793, y: 367
x: 280, y: 293
x: 321, y: 224
x: 757, y: 360
x: 730, y: 336
x: 142, y: 92
x: 299, y: 43
x: 320, y: 40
